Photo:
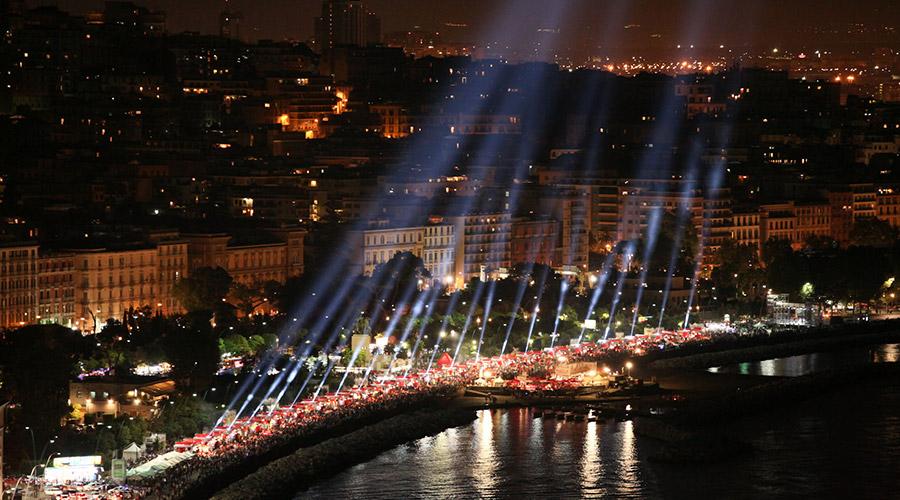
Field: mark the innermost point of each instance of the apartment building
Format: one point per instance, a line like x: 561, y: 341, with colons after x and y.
x: 534, y: 241
x: 482, y: 244
x: 18, y: 284
x: 111, y: 282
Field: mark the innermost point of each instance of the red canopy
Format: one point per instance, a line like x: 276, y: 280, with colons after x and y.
x: 445, y: 360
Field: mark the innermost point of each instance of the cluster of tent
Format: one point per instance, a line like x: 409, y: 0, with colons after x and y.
x: 159, y: 464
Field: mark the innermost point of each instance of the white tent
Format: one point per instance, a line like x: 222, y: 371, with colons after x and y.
x: 159, y: 464
x: 132, y: 452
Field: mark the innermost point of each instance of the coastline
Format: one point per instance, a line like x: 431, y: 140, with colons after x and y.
x: 826, y: 340
x: 282, y: 478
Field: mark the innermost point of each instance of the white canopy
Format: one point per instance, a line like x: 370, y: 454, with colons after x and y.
x: 159, y: 464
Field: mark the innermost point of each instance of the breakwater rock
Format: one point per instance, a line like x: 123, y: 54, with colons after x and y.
x: 283, y: 477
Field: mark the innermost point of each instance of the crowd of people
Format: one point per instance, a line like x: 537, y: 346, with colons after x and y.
x: 245, y: 442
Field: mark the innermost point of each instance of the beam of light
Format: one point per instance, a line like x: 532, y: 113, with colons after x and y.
x: 536, y: 311
x: 649, y: 246
x: 377, y: 352
x: 421, y: 144
x: 421, y: 332
x: 349, y: 318
x: 295, y: 365
x: 520, y: 294
x: 617, y: 294
x: 418, y: 309
x: 328, y: 370
x: 534, y: 316
x: 392, y: 324
x: 563, y: 288
x: 487, y: 316
x: 271, y: 357
x: 313, y: 338
x: 598, y: 290
x: 683, y: 217
x: 462, y: 335
x: 451, y: 308
x: 713, y: 182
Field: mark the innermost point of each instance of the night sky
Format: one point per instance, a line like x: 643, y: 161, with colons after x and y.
x: 702, y: 22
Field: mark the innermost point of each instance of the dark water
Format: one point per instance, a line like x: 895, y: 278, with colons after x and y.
x: 794, y: 366
x: 842, y: 445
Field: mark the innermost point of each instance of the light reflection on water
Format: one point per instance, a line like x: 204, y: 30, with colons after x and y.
x: 803, y: 364
x: 485, y: 463
x: 842, y: 445
x: 503, y: 454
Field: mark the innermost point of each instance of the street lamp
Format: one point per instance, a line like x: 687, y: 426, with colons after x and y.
x: 33, y: 447
x: 45, y: 449
x: 628, y: 366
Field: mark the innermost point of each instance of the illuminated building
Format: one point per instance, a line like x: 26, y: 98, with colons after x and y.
x: 813, y: 220
x: 482, y: 243
x: 134, y: 396
x: 699, y: 99
x: 481, y: 124
x: 889, y: 206
x: 841, y: 215
x: 572, y: 209
x: 301, y: 104
x: 18, y: 284
x: 378, y: 245
x: 346, y: 22
x: 56, y: 289
x: 111, y: 282
x: 534, y: 240
x: 640, y: 197
x: 230, y: 24
x: 744, y: 229
x: 273, y: 255
x: 438, y: 253
x: 2, y: 435
x: 395, y: 120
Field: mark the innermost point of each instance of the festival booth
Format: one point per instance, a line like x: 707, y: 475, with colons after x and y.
x: 132, y: 453
x: 159, y: 464
x: 445, y: 361
x: 73, y: 469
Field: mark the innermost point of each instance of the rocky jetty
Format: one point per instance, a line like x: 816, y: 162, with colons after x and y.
x: 284, y: 477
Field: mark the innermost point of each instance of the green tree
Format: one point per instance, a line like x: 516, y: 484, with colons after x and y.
x: 183, y: 416
x: 193, y: 349
x: 204, y: 290
x: 38, y: 362
x: 873, y: 233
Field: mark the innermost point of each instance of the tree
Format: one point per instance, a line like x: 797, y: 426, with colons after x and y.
x: 872, y: 233
x: 113, y: 349
x: 738, y: 273
x: 39, y: 361
x: 676, y: 246
x: 235, y: 344
x: 204, y: 289
x: 183, y: 416
x: 193, y: 349
x: 362, y: 358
